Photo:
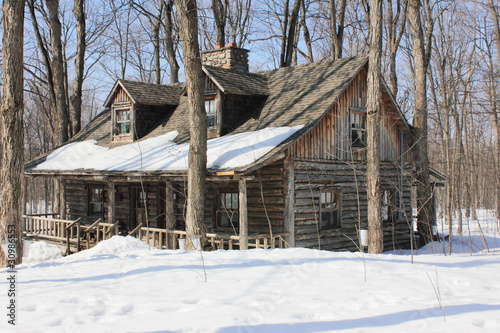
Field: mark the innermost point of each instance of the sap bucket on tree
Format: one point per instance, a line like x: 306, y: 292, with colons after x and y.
x: 182, y: 244
x: 26, y: 248
x: 196, y: 242
x: 363, y: 237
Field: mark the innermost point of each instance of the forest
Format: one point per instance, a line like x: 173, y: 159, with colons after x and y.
x: 74, y: 51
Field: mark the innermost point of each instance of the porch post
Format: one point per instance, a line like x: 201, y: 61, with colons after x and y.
x: 169, y: 208
x: 62, y: 199
x: 111, y: 202
x: 289, y: 213
x: 169, y: 215
x: 243, y: 215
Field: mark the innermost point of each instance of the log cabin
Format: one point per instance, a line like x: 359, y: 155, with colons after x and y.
x: 286, y: 151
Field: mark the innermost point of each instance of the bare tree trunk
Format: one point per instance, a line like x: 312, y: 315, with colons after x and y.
x: 337, y: 27
x: 220, y: 14
x: 306, y: 34
x: 76, y: 96
x: 12, y: 132
x: 284, y: 27
x: 292, y: 28
x: 188, y: 21
x: 374, y: 109
x: 496, y: 112
x: 58, y: 71
x: 52, y: 115
x: 394, y: 38
x: 169, y: 42
x: 156, y: 22
x: 238, y: 17
x: 421, y: 57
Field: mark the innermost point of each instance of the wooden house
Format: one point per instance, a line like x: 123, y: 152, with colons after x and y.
x: 307, y: 190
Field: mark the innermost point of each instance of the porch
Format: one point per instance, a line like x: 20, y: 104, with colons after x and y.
x: 74, y: 236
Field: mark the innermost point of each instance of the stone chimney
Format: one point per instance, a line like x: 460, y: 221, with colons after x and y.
x: 230, y: 57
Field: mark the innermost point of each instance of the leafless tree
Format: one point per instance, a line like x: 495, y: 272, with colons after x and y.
x: 76, y: 96
x: 422, y: 47
x: 496, y: 112
x: 197, y: 159
x: 12, y: 138
x: 337, y: 26
x: 395, y: 19
x: 239, y: 21
x: 373, y: 110
x: 220, y: 16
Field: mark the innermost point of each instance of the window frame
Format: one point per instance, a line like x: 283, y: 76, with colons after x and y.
x: 357, y: 127
x: 117, y: 123
x: 91, y: 202
x: 211, y: 99
x: 338, y: 208
x: 234, y: 223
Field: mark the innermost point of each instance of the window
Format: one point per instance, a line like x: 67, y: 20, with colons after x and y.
x: 358, y: 128
x: 227, y: 210
x: 211, y: 112
x: 389, y: 210
x: 122, y: 122
x: 96, y: 201
x: 329, y: 209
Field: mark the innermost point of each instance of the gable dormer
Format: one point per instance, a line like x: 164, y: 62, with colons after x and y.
x: 136, y: 108
x: 231, y: 93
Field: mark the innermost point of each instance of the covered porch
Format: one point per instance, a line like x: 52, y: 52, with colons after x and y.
x: 74, y: 236
x: 240, y: 212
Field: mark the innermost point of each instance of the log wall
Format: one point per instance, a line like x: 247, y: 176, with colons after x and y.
x: 310, y: 177
x: 265, y: 201
x: 77, y: 202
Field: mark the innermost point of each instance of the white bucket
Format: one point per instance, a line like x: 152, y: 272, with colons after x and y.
x: 434, y: 230
x: 182, y: 244
x: 26, y: 248
x: 196, y: 242
x: 363, y: 236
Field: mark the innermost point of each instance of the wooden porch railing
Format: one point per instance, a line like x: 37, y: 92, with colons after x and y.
x: 168, y: 239
x: 80, y: 236
x: 70, y: 232
x: 45, y: 227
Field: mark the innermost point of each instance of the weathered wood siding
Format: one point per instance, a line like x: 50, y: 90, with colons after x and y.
x: 310, y: 177
x: 121, y: 97
x: 330, y: 139
x: 77, y: 204
x: 77, y: 201
x: 265, y: 201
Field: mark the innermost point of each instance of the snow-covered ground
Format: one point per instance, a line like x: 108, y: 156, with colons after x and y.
x: 123, y: 286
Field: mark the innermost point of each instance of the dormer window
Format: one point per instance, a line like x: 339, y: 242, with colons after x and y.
x: 122, y: 122
x: 210, y: 108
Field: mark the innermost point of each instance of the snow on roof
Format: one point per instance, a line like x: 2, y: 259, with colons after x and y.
x: 163, y: 154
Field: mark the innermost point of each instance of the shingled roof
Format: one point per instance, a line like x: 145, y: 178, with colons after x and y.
x: 296, y: 96
x: 147, y: 93
x: 231, y: 81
